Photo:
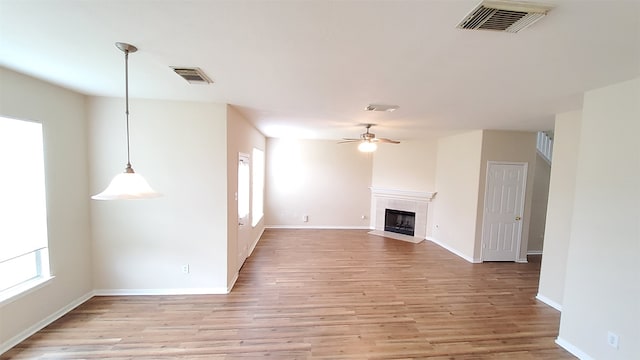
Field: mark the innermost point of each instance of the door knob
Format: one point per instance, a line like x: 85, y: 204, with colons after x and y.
x: 518, y: 218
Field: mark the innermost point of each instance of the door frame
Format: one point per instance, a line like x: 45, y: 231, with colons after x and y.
x: 525, y: 166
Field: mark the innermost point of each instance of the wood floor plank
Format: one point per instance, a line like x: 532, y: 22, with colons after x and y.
x: 323, y: 294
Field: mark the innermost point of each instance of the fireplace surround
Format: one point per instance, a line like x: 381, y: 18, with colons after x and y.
x: 400, y: 200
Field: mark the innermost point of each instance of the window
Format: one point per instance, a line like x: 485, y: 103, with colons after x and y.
x: 243, y: 188
x: 257, y: 204
x: 24, y: 257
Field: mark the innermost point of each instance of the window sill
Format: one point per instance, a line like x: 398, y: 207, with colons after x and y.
x: 14, y: 293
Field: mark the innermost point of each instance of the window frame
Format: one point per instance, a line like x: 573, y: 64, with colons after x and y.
x: 36, y: 271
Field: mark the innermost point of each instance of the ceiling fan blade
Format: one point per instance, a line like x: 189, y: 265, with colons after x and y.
x: 346, y: 140
x: 387, y: 141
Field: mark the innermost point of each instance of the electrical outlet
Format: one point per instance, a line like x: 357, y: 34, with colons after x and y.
x: 185, y: 269
x: 305, y: 218
x: 364, y: 217
x: 612, y: 340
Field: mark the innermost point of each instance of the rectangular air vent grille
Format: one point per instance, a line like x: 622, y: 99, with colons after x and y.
x: 192, y: 75
x: 504, y: 16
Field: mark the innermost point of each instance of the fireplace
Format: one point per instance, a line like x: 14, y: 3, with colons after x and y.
x: 398, y: 221
x: 407, y: 202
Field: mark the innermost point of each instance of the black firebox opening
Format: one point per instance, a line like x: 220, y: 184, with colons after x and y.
x: 401, y: 222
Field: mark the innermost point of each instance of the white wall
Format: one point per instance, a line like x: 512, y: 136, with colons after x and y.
x: 560, y: 208
x: 242, y: 137
x: 509, y: 146
x: 539, y: 200
x: 62, y: 114
x: 329, y: 182
x: 602, y: 291
x: 181, y: 149
x: 410, y: 165
x: 456, y: 204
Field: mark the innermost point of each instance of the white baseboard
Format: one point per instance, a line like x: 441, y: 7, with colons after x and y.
x: 549, y: 302
x: 185, y: 291
x: 7, y: 345
x: 454, y: 251
x: 233, y: 282
x: 573, y: 349
x: 318, y: 227
x: 522, y: 261
x: 255, y: 242
x: 534, y: 252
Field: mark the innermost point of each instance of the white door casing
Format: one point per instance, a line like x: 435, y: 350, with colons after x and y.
x: 244, y: 185
x: 503, y: 210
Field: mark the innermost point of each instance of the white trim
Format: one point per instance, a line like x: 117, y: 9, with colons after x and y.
x: 549, y: 302
x: 233, y: 282
x: 454, y: 251
x: 522, y: 261
x: 255, y: 243
x: 573, y: 349
x: 403, y: 194
x: 23, y: 335
x: 534, y: 252
x: 179, y: 291
x: 14, y: 293
x: 318, y: 227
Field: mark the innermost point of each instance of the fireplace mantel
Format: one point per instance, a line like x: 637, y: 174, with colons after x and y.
x: 402, y: 194
x: 404, y: 200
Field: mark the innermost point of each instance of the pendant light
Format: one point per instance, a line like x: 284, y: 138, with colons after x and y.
x: 127, y: 185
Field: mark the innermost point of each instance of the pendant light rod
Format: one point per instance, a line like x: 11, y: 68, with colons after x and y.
x: 127, y: 48
x: 127, y: 185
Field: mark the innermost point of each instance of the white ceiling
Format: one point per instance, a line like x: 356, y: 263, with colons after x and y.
x: 308, y: 68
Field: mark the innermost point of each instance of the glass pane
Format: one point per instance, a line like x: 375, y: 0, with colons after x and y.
x: 23, y: 217
x: 18, y: 270
x: 243, y: 189
x: 257, y: 204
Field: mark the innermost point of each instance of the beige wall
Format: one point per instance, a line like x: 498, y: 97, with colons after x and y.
x: 180, y: 148
x: 509, y: 146
x: 539, y: 199
x: 602, y: 291
x: 328, y: 182
x: 62, y: 114
x: 242, y: 137
x: 456, y: 205
x: 560, y: 208
x: 410, y: 165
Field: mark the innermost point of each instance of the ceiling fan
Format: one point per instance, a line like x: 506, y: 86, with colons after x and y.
x: 368, y: 140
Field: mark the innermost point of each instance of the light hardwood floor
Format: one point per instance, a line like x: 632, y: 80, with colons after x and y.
x: 324, y: 294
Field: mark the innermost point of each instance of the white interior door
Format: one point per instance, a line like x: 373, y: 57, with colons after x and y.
x: 244, y: 232
x: 503, y: 211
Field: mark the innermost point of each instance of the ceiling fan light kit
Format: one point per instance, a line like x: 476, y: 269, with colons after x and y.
x: 367, y: 146
x: 127, y: 185
x: 368, y: 140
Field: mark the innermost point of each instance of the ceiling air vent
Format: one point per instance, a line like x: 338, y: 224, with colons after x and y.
x: 507, y: 16
x: 192, y: 75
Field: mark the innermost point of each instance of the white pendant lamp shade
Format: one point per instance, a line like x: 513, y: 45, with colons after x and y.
x: 367, y: 146
x: 127, y: 185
